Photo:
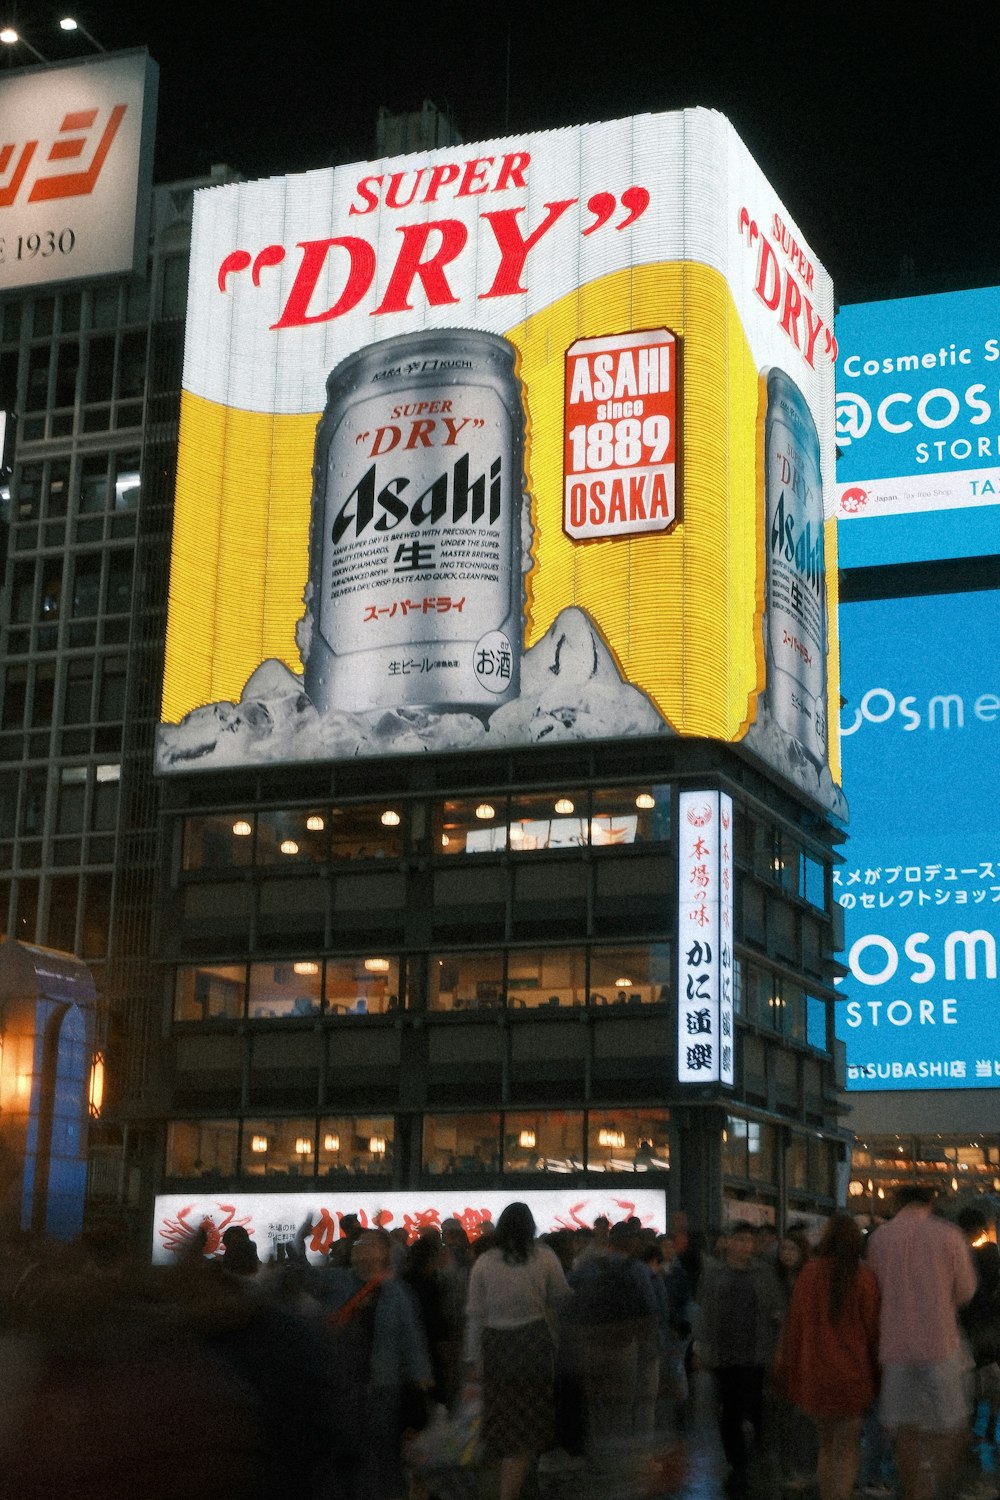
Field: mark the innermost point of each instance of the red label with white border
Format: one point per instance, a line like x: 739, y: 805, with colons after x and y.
x: 620, y: 425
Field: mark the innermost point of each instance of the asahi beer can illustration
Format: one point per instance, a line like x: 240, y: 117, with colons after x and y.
x: 416, y: 551
x: 795, y: 619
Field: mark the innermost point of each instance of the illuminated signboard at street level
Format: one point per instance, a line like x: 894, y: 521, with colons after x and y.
x: 920, y: 886
x: 918, y: 426
x: 310, y: 1222
x: 76, y: 162
x: 575, y: 452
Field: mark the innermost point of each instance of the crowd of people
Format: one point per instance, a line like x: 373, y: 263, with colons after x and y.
x: 508, y: 1366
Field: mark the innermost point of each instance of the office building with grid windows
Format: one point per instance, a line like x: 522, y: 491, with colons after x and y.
x: 89, y: 378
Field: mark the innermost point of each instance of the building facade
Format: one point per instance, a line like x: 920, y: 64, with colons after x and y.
x: 453, y: 972
x: 90, y: 373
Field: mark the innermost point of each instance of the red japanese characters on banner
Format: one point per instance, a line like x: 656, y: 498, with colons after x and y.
x: 621, y: 435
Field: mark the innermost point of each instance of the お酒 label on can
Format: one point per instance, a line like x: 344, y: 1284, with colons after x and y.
x: 416, y: 556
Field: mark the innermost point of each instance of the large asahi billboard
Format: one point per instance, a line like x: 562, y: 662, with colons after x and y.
x: 76, y: 165
x: 525, y: 441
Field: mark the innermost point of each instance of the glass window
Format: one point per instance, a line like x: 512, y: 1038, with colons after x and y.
x: 12, y: 321
x: 57, y: 503
x: 461, y: 1143
x: 548, y: 1140
x: 44, y: 320
x: 127, y: 489
x: 27, y: 492
x: 94, y: 485
x: 822, y: 1166
x: 96, y: 916
x: 42, y: 698
x: 548, y: 820
x: 100, y: 367
x: 51, y: 591
x: 628, y: 1140
x: 86, y: 584
x: 286, y: 838
x: 119, y: 591
x: 33, y: 801
x: 545, y: 977
x: 67, y: 369
x: 22, y: 592
x: 356, y: 1146
x: 282, y: 990
x: 8, y: 803
x: 793, y: 1010
x: 753, y: 929
x: 739, y: 988
x: 15, y: 698
x: 797, y: 1163
x: 111, y: 698
x: 201, y: 1148
x: 630, y: 815
x: 132, y: 365
x: 465, y: 981
x: 364, y: 986
x: 37, y: 393
x: 209, y: 992
x: 761, y: 1141
x: 72, y: 794
x: 630, y: 974
x: 79, y: 686
x: 218, y: 840
x: 279, y: 1148
x: 375, y: 831
x: 471, y: 825
x: 734, y: 1147
x: 766, y: 851
x: 104, y: 812
x: 63, y: 890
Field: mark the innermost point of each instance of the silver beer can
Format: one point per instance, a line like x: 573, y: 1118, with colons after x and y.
x: 416, y: 553
x: 795, y: 619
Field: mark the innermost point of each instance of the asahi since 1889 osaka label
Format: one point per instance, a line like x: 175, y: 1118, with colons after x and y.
x: 415, y: 545
x: 795, y: 626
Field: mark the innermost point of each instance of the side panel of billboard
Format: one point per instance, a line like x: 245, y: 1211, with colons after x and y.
x: 575, y: 395
x: 76, y: 165
x: 920, y: 886
x: 918, y: 425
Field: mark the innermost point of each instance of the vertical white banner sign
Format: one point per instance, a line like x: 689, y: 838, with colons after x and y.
x: 705, y: 939
x: 727, y: 962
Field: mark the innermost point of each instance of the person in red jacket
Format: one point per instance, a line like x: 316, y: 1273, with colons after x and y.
x: 828, y: 1359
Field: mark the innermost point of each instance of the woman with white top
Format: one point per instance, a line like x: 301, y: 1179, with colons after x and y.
x: 515, y: 1290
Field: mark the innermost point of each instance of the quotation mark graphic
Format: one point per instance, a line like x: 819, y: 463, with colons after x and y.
x: 603, y: 205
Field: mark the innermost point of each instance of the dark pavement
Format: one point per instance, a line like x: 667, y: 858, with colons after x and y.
x: 704, y: 1469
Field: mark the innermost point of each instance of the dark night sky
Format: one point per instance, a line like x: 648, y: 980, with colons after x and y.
x: 880, y: 134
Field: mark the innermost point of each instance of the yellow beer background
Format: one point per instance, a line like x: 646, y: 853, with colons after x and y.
x: 681, y: 612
